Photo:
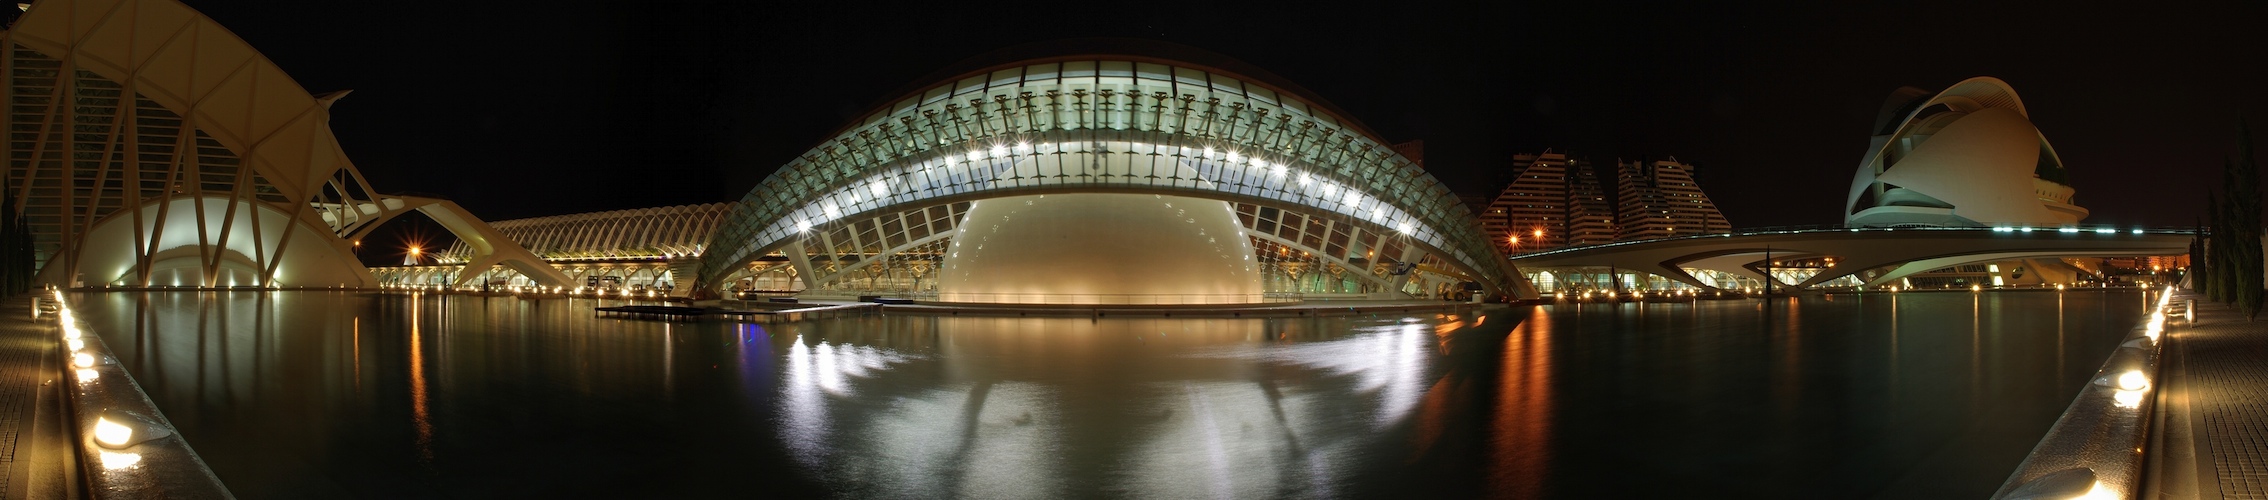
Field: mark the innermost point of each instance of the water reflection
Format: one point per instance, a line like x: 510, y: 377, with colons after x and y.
x: 335, y: 394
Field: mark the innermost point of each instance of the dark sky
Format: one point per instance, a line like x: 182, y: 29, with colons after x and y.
x: 520, y: 109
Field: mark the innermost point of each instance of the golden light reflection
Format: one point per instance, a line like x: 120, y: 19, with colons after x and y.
x: 1521, y: 441
x: 2128, y: 399
x: 418, y: 409
x: 116, y: 461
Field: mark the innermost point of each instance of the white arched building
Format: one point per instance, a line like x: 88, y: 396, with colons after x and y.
x: 186, y: 158
x: 1107, y: 179
x: 1967, y: 156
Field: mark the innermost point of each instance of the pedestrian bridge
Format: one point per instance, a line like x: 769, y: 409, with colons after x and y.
x: 1875, y: 256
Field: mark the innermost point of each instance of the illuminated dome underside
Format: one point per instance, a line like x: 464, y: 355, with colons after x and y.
x: 1100, y: 249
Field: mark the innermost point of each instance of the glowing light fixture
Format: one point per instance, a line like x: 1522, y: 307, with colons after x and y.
x: 1403, y: 226
x: 2133, y: 380
x: 999, y: 151
x: 112, y: 434
x: 82, y: 360
x: 803, y: 225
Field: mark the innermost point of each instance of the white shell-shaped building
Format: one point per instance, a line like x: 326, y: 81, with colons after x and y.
x: 1967, y: 156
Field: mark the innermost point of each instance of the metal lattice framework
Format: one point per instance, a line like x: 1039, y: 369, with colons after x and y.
x: 1111, y: 124
x: 646, y: 233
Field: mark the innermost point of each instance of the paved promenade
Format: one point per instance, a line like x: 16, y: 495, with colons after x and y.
x: 32, y: 450
x: 2214, y: 427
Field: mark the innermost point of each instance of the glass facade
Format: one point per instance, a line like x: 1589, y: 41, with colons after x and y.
x: 1104, y: 126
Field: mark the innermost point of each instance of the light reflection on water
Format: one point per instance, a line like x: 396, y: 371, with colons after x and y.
x: 328, y: 394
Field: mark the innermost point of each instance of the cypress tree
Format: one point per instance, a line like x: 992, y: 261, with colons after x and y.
x: 2193, y: 275
x: 2244, y: 201
x: 2216, y: 250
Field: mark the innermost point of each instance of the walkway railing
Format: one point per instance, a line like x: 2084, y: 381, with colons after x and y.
x: 1838, y: 228
x: 127, y: 448
x: 1111, y: 299
x: 2095, y: 450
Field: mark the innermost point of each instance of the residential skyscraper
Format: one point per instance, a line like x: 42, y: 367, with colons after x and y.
x: 1553, y: 202
x: 1659, y: 199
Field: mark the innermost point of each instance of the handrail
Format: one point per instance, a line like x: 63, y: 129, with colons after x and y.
x: 1838, y: 228
x: 2095, y: 449
x: 127, y: 448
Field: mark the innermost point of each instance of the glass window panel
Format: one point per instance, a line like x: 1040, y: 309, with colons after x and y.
x: 1007, y: 78
x: 970, y: 84
x: 1194, y: 79
x: 1155, y: 72
x: 1041, y: 73
x: 1116, y: 68
x: 1078, y: 69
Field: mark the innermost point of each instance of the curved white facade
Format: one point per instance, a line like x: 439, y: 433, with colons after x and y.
x: 1105, y: 124
x: 1081, y: 248
x: 1968, y: 156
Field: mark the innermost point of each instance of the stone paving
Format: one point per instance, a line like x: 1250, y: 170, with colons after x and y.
x: 21, y: 346
x: 2227, y: 359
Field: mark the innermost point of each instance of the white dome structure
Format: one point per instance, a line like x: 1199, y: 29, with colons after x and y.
x: 1965, y: 157
x: 1100, y: 248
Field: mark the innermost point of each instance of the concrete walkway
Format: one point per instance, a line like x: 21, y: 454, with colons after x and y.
x: 2212, y: 428
x: 35, y: 456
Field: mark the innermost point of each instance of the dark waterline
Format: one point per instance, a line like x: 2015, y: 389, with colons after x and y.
x: 310, y: 394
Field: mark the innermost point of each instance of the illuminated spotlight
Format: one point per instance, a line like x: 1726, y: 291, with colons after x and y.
x: 82, y: 360
x: 88, y: 375
x: 2025, y: 229
x: 2106, y: 231
x: 1278, y: 169
x: 803, y: 225
x: 2137, y: 231
x: 999, y: 151
x: 1403, y: 226
x: 2067, y: 230
x: 75, y: 344
x: 112, y: 434
x: 1976, y: 288
x: 2133, y: 380
x: 1304, y: 178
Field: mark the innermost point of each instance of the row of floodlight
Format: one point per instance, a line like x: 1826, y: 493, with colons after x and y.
x: 831, y: 207
x: 528, y: 289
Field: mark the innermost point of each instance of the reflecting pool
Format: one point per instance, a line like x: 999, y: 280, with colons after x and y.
x: 314, y: 394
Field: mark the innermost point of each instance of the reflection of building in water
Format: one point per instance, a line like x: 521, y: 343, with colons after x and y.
x: 987, y: 406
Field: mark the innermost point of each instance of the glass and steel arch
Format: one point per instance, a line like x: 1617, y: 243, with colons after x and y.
x: 1106, y: 124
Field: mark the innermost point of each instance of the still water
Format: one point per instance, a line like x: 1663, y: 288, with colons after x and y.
x: 313, y: 394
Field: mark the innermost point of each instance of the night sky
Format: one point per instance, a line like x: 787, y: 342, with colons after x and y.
x: 521, y: 109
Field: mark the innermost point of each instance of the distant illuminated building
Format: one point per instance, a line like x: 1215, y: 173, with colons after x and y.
x: 1659, y: 199
x: 1590, y: 217
x: 1555, y: 201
